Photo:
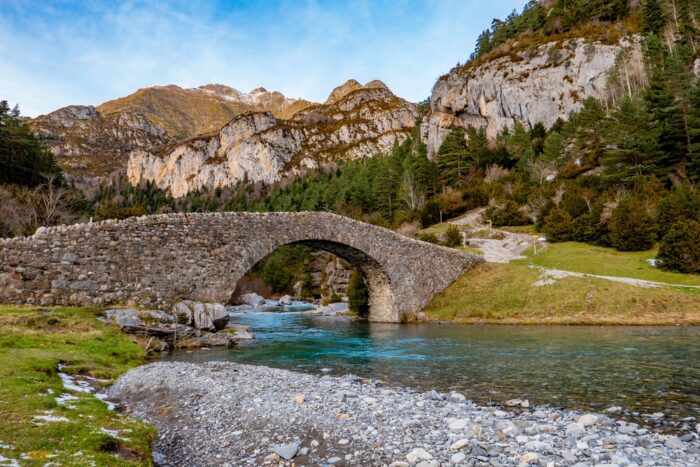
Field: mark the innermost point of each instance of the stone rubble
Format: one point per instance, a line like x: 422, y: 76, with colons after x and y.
x: 228, y: 414
x: 188, y: 324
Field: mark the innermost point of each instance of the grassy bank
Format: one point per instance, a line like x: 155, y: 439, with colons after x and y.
x: 504, y: 293
x: 32, y: 344
x: 589, y: 259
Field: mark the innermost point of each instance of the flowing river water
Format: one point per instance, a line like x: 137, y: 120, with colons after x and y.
x: 643, y: 370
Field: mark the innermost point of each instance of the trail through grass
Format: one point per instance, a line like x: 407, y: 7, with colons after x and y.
x: 506, y: 293
x: 589, y: 259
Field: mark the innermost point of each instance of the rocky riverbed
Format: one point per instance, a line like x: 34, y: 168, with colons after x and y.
x: 222, y: 413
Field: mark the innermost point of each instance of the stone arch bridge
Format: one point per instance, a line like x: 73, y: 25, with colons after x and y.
x: 158, y: 260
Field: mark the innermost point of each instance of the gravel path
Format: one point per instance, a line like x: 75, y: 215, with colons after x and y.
x: 549, y: 276
x: 494, y: 250
x: 223, y: 413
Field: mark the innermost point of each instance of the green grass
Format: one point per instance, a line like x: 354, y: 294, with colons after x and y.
x: 580, y: 257
x: 441, y: 228
x: 32, y: 343
x: 504, y: 293
x: 524, y: 229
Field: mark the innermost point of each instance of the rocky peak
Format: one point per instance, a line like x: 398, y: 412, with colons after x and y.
x: 258, y: 146
x: 343, y: 90
x: 67, y: 116
x: 377, y: 84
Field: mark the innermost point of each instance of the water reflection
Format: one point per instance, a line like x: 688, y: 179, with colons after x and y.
x: 643, y: 369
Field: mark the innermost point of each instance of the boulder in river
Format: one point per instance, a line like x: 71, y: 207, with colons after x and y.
x: 242, y: 332
x: 252, y: 299
x: 285, y: 300
x: 333, y: 309
x: 204, y: 316
x: 219, y: 339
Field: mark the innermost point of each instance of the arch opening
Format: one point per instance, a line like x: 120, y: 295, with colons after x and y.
x: 381, y: 302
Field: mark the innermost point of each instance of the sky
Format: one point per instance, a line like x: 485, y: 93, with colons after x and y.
x: 55, y: 53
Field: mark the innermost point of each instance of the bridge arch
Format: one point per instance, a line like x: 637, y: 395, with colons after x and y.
x: 159, y: 260
x: 382, y: 302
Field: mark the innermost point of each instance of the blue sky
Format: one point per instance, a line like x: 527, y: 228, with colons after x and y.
x: 58, y: 52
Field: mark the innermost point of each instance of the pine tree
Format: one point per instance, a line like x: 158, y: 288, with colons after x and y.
x: 653, y: 17
x: 478, y: 152
x: 452, y: 158
x: 693, y: 99
x: 629, y: 155
x: 553, y: 147
x: 24, y: 160
x: 483, y: 44
x: 671, y: 140
x: 632, y: 228
x: 519, y: 144
x: 558, y: 225
x: 679, y: 250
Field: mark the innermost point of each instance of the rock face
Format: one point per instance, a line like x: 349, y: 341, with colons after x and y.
x: 528, y: 87
x: 89, y: 141
x: 356, y: 121
x: 332, y: 275
x: 159, y: 260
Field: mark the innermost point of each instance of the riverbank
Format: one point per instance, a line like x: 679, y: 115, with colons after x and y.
x: 522, y: 293
x: 222, y: 413
x: 51, y: 416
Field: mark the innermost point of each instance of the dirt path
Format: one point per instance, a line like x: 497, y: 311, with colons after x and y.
x: 503, y: 247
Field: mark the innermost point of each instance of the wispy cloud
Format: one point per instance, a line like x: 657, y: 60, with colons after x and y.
x: 55, y: 53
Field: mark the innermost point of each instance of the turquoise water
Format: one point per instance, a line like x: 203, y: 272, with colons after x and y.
x: 642, y: 369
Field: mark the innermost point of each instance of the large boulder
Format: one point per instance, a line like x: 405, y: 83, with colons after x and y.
x: 218, y: 315
x: 125, y: 317
x: 333, y: 309
x: 219, y: 339
x: 182, y: 312
x: 241, y: 331
x: 160, y: 316
x: 203, y: 316
x: 252, y: 299
x: 285, y: 300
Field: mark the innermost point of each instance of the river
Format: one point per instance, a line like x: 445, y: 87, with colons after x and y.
x: 644, y: 370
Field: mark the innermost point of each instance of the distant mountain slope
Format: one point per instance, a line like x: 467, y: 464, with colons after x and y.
x: 184, y: 113
x: 356, y: 121
x: 89, y: 141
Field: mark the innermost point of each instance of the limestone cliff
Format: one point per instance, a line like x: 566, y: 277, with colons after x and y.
x: 356, y: 121
x: 538, y: 84
x: 89, y: 141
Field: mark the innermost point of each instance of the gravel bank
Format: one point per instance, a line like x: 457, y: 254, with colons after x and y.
x: 222, y: 413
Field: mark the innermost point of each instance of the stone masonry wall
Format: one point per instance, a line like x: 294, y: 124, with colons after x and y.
x: 158, y: 260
